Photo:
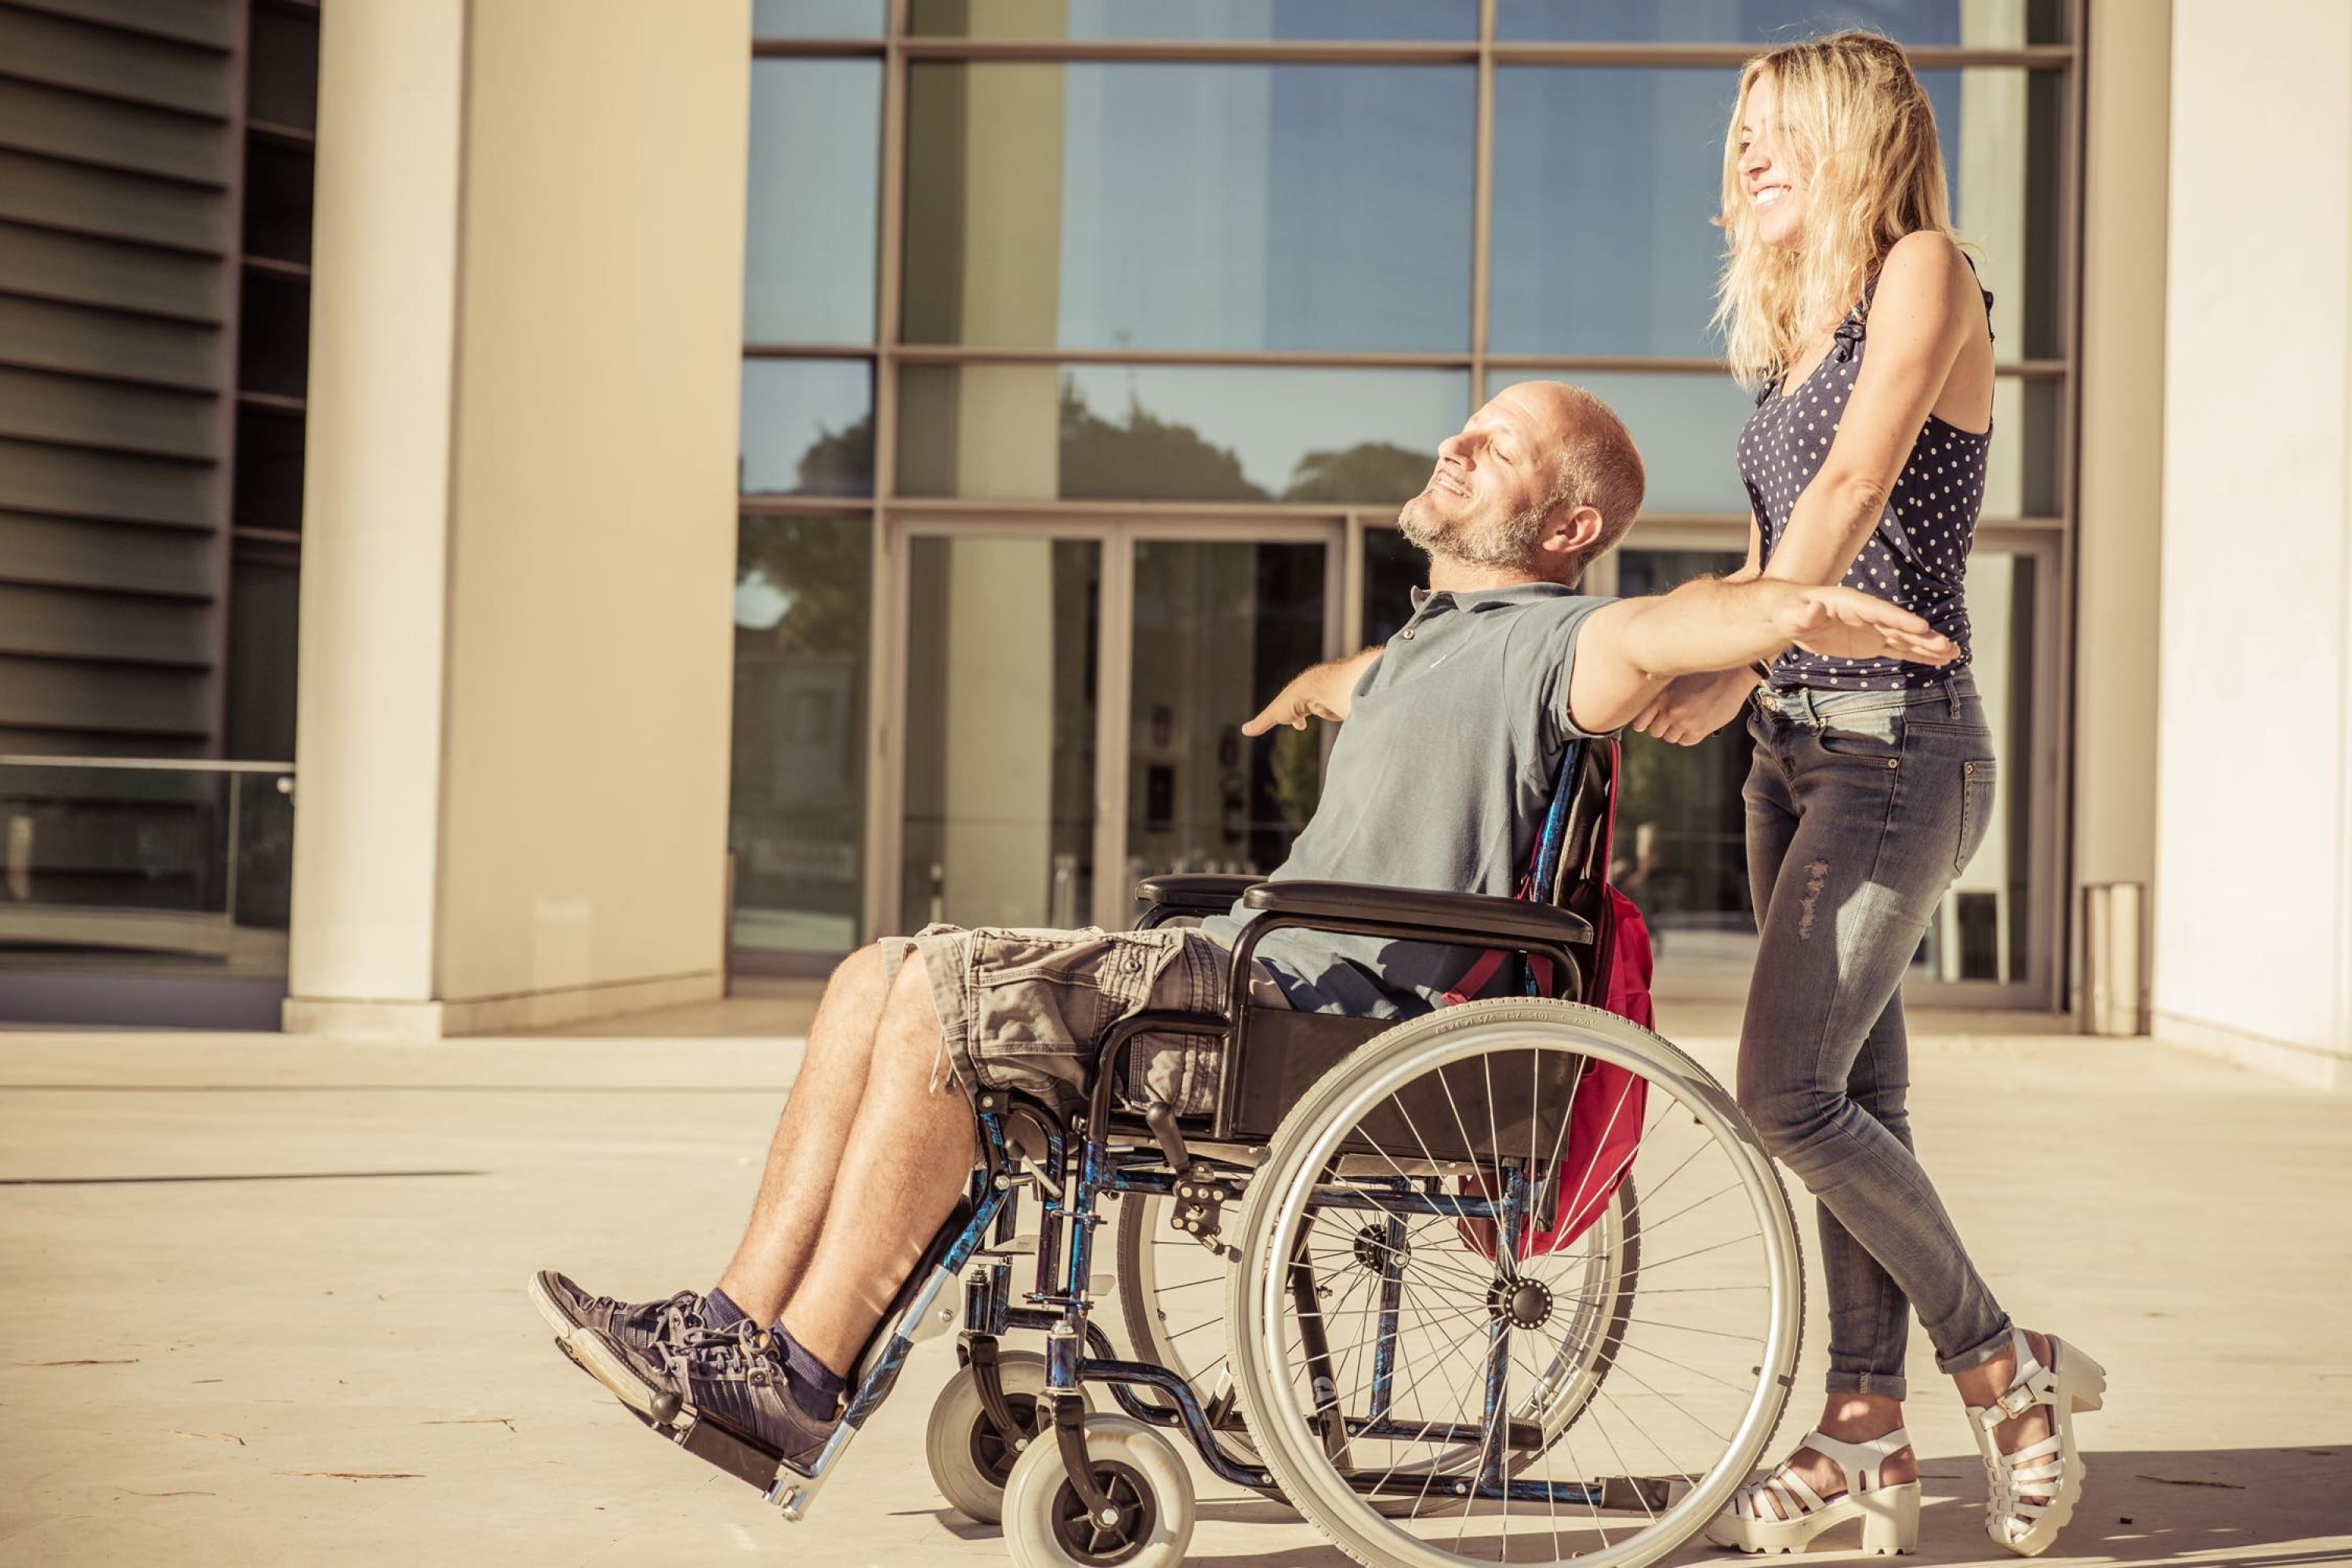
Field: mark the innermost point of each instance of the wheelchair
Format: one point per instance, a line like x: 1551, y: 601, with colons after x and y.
x: 1418, y: 1279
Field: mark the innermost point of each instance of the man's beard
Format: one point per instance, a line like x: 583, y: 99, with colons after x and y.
x: 1509, y: 546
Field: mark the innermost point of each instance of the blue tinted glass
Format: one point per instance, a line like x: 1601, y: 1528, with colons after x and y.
x: 1174, y: 432
x: 809, y: 242
x: 1190, y: 206
x: 1687, y: 427
x: 808, y: 427
x: 803, y: 592
x: 1605, y: 180
x: 1999, y: 23
x: 816, y: 18
x: 1391, y: 20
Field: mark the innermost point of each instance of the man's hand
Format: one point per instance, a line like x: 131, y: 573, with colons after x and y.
x: 1846, y: 623
x: 1693, y: 707
x: 1318, y: 691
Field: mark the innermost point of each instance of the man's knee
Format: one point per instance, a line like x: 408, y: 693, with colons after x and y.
x: 857, y: 980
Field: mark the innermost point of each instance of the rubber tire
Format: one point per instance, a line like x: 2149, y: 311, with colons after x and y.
x: 1304, y: 1125
x: 955, y: 1414
x: 1033, y: 1492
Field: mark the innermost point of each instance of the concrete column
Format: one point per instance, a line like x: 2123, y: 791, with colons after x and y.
x: 2254, y: 912
x: 2120, y: 497
x: 515, y: 662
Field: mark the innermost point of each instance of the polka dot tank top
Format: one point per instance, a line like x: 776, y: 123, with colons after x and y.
x: 1917, y: 557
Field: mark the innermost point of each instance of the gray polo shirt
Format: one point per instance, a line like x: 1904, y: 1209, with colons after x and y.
x: 1440, y: 779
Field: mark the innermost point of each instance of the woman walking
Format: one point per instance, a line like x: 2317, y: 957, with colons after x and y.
x: 1849, y: 305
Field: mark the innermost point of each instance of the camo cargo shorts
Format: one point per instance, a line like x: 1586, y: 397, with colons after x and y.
x: 1026, y: 1009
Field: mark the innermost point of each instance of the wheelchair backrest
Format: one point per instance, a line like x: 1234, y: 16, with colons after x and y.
x: 1570, y: 866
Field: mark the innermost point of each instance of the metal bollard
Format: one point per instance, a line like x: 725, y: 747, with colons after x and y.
x: 2115, y: 987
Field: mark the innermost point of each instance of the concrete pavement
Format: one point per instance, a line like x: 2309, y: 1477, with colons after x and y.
x: 264, y: 1302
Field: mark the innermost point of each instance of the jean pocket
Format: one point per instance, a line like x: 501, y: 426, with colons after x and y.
x: 1874, y: 734
x: 1979, y: 781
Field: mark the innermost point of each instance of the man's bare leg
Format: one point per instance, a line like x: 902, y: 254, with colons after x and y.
x: 910, y: 1155
x: 810, y: 1137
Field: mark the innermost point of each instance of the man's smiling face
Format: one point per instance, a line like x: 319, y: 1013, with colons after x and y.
x: 1486, y: 501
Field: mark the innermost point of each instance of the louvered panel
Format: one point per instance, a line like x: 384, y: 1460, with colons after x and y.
x: 111, y: 62
x: 17, y: 742
x: 75, y: 623
x: 121, y: 699
x: 75, y: 554
x: 88, y: 200
x: 34, y: 119
x: 71, y: 483
x: 191, y: 21
x: 38, y: 405
x: 81, y: 270
x: 42, y: 334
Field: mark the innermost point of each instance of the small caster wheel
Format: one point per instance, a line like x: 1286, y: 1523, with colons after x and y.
x: 1151, y: 1521
x: 970, y: 1458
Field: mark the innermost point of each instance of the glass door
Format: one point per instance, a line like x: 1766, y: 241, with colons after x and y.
x: 1071, y: 697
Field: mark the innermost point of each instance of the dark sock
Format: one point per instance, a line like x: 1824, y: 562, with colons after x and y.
x: 720, y: 1310
x: 816, y: 1388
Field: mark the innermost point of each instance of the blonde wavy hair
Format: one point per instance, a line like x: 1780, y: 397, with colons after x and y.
x: 1856, y: 120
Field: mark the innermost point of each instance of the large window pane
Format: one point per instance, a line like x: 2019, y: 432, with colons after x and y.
x: 1001, y: 669
x: 1389, y: 19
x: 1602, y: 238
x: 1219, y: 628
x: 808, y: 427
x: 809, y: 239
x: 1605, y: 184
x: 1190, y: 206
x: 803, y: 592
x: 1765, y: 22
x: 1173, y: 432
x: 818, y: 19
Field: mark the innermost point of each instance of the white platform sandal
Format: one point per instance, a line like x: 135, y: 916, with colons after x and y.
x: 2030, y: 1494
x: 1889, y: 1514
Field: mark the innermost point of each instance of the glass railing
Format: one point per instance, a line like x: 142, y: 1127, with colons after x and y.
x: 145, y: 866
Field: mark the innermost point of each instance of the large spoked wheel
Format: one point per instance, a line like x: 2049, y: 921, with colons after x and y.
x: 1531, y: 1399
x: 1147, y: 1525
x: 1172, y: 1298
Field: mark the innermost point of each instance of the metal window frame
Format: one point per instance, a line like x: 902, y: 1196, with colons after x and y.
x: 2050, y: 542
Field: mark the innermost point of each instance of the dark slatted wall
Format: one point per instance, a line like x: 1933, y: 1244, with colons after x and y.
x: 154, y: 242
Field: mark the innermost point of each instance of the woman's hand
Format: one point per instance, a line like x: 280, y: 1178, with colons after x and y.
x: 1693, y: 707
x: 1318, y: 691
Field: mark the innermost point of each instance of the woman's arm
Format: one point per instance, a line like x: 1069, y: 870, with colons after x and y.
x: 1922, y: 316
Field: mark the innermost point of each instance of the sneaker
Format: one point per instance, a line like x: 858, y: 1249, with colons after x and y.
x: 624, y: 1345
x: 734, y: 1378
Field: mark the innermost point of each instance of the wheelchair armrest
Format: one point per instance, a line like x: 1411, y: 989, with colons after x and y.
x: 1447, y: 916
x: 1193, y: 892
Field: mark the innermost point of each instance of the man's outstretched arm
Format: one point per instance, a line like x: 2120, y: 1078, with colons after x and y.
x: 1318, y: 691
x: 1626, y: 652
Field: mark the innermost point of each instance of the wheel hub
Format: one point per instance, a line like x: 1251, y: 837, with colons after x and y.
x: 1116, y: 1537
x: 1377, y: 1254
x: 1522, y: 1303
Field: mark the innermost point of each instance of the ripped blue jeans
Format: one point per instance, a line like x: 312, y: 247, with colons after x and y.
x: 1861, y: 808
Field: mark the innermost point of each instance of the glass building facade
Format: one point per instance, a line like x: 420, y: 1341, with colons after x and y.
x: 1091, y: 345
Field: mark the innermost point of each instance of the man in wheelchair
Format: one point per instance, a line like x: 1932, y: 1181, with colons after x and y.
x: 1440, y: 781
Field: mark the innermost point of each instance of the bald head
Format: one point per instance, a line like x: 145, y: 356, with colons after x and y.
x: 1537, y: 485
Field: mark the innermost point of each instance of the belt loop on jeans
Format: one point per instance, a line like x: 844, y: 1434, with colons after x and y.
x: 1952, y: 695
x: 1805, y: 702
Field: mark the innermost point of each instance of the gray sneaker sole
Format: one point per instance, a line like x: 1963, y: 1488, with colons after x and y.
x: 592, y: 1355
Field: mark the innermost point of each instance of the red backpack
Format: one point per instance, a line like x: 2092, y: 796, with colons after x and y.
x: 1604, y: 1118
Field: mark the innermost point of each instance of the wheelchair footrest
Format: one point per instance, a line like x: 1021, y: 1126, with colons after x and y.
x: 754, y: 1464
